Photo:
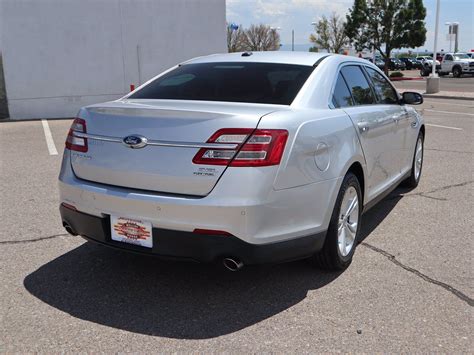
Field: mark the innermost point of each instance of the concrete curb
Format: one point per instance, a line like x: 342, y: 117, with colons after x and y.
x: 402, y: 79
x: 435, y: 96
x: 450, y: 95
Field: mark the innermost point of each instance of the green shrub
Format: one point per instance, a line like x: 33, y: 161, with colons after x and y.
x: 396, y: 74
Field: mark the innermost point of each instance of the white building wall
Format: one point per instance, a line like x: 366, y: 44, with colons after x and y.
x: 60, y: 55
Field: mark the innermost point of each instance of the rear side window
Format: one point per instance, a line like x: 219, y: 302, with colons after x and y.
x: 341, y: 96
x: 384, y: 91
x: 269, y: 83
x: 358, y: 85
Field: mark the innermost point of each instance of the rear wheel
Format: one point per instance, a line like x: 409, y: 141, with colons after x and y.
x: 457, y: 72
x: 343, y: 231
x: 417, y: 165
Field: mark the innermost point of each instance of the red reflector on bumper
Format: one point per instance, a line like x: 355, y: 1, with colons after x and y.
x: 211, y: 232
x: 68, y: 206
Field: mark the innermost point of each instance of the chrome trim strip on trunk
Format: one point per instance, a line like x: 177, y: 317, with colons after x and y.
x: 157, y: 142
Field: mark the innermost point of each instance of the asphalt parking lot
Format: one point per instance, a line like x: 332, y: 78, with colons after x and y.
x: 410, y: 287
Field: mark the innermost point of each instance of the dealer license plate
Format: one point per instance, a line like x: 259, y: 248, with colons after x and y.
x: 131, y: 231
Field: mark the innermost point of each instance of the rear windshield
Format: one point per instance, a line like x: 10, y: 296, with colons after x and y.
x: 267, y: 83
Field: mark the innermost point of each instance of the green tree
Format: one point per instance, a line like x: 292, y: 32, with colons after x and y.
x: 386, y: 25
x: 330, y: 33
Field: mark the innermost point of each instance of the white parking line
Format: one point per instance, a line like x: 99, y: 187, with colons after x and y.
x: 451, y: 113
x: 437, y: 125
x: 49, y: 138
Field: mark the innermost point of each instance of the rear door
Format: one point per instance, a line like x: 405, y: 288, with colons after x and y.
x: 376, y: 129
x: 175, y: 131
x: 387, y: 100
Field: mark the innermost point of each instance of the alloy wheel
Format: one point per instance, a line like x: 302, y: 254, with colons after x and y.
x: 418, y: 158
x: 348, y: 221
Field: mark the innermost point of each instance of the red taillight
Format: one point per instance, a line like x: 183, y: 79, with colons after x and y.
x: 260, y: 147
x: 74, y: 142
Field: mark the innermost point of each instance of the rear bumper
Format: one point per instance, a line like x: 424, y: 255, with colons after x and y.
x: 196, y: 247
x: 243, y: 204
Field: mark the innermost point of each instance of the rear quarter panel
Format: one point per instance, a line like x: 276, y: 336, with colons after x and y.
x: 322, y: 145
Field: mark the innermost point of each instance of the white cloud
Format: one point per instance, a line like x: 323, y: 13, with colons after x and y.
x: 287, y: 14
x: 275, y: 8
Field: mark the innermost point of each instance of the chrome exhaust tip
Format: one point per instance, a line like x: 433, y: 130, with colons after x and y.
x: 69, y: 228
x: 232, y: 264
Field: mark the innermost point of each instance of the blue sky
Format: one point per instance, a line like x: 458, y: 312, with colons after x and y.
x: 298, y: 15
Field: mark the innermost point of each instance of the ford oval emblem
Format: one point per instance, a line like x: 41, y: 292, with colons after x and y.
x: 135, y: 141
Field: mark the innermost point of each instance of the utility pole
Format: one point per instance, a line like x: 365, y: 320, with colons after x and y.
x: 456, y: 33
x: 292, y: 40
x: 432, y: 83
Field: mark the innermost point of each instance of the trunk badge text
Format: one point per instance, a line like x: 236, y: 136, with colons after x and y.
x: 135, y: 141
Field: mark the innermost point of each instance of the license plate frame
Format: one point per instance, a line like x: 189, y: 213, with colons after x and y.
x: 134, y: 231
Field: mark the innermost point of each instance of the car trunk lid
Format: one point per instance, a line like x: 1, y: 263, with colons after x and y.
x: 174, y: 130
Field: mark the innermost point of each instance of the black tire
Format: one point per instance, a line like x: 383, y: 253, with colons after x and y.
x: 457, y: 72
x: 412, y: 181
x: 329, y: 257
x: 424, y: 72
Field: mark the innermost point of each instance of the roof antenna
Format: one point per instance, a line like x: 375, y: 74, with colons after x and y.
x: 247, y: 54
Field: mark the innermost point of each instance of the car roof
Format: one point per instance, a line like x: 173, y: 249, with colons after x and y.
x: 280, y: 57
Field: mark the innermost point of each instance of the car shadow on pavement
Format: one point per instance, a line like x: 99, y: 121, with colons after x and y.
x: 373, y: 217
x: 180, y: 300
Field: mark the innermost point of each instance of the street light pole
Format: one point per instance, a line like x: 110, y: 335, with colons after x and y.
x: 435, y: 48
x: 432, y: 83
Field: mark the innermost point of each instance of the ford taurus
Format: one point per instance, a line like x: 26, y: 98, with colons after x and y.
x: 242, y: 158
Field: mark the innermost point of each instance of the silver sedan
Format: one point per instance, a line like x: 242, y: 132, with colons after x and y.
x: 242, y: 158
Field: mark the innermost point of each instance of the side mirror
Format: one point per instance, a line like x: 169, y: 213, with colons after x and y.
x: 412, y: 98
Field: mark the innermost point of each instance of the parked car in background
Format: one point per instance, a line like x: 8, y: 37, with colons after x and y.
x: 421, y: 58
x: 410, y: 63
x: 396, y: 64
x: 457, y: 64
x: 378, y: 62
x: 427, y: 65
x: 242, y: 158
